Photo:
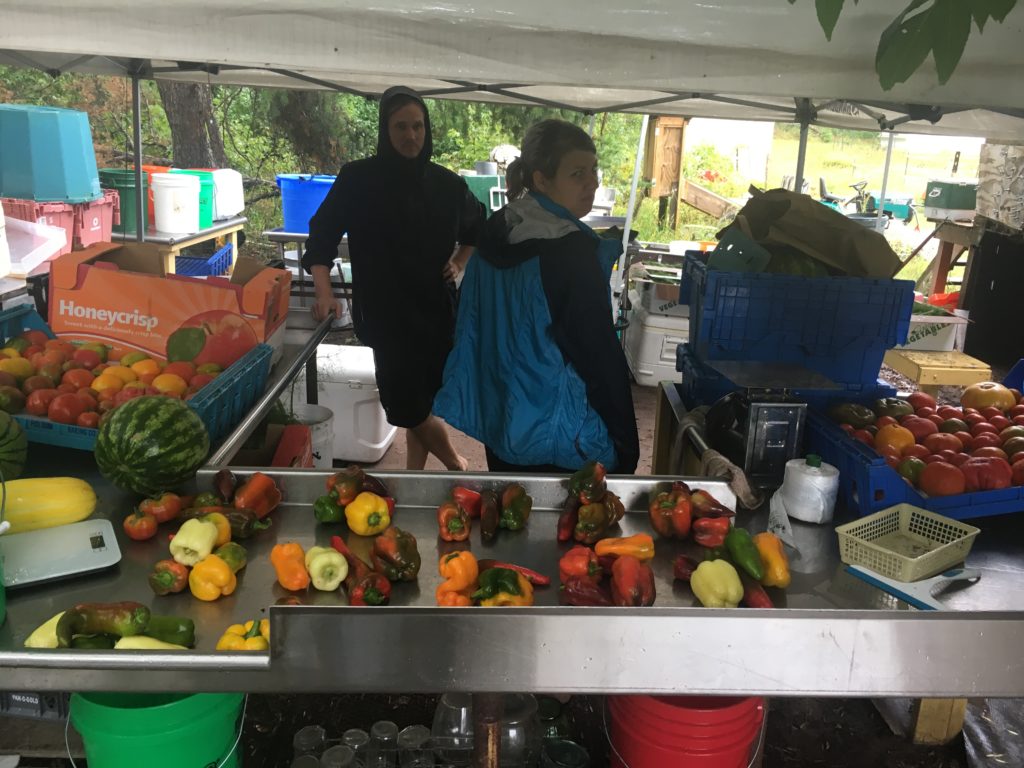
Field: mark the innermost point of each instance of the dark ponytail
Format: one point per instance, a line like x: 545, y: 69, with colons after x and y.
x: 544, y: 146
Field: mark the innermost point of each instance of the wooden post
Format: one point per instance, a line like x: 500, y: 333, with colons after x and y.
x: 487, y: 711
x: 673, y: 206
x: 938, y: 721
x: 944, y: 260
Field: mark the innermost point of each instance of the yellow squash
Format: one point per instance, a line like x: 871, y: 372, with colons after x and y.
x: 45, y: 502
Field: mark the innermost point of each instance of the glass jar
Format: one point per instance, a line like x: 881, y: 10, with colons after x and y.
x: 553, y: 722
x: 414, y: 747
x: 452, y: 730
x: 520, y: 732
x: 358, y: 740
x: 339, y: 756
x: 309, y: 740
x: 383, y: 749
x: 561, y: 753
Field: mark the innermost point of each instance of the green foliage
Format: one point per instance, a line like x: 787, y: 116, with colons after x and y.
x: 937, y: 27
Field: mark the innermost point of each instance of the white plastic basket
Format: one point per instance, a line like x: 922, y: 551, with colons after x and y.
x: 905, y: 542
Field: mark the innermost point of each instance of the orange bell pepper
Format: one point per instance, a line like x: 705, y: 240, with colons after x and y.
x: 460, y: 571
x: 259, y: 493
x: 289, y: 563
x: 640, y: 546
x: 210, y: 578
x: 773, y: 556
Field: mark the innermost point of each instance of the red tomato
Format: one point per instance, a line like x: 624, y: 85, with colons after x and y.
x: 935, y: 419
x: 39, y: 401
x: 69, y: 389
x: 985, y: 438
x: 1018, y: 472
x: 990, y: 410
x: 959, y: 459
x: 1017, y: 410
x: 88, y: 403
x: 1018, y: 420
x: 966, y: 438
x: 983, y: 426
x: 89, y: 419
x: 884, y: 421
x: 991, y: 451
x: 920, y: 427
x: 79, y: 377
x: 921, y: 400
x: 66, y: 408
x: 140, y: 526
x: 917, y: 451
x: 973, y: 418
x: 942, y: 441
x: 864, y: 436
x: 892, y: 460
x: 926, y: 411
x: 999, y: 422
x: 931, y: 459
x: 940, y: 478
x: 949, y: 412
x: 847, y: 428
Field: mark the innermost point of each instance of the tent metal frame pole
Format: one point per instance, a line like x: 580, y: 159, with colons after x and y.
x: 140, y: 202
x: 801, y: 157
x: 629, y: 210
x: 880, y: 221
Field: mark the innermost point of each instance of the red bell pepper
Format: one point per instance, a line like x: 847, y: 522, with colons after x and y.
x: 259, y: 493
x: 580, y: 562
x: 468, y: 499
x: 452, y: 522
x: 754, y: 595
x: 168, y: 577
x: 704, y: 505
x: 683, y: 567
x: 345, y: 485
x: 364, y: 586
x: 670, y: 512
x: 583, y: 592
x: 711, y: 531
x: 632, y: 582
x: 568, y: 519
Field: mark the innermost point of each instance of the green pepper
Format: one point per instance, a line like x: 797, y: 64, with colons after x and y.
x: 244, y: 522
x: 716, y: 553
x: 892, y: 406
x: 234, y: 555
x: 588, y: 482
x: 208, y: 499
x: 856, y: 415
x: 93, y: 642
x: 496, y: 580
x: 744, y: 552
x: 395, y: 555
x: 327, y: 510
x: 171, y: 629
x: 121, y: 619
x: 516, y: 505
x: 595, y: 519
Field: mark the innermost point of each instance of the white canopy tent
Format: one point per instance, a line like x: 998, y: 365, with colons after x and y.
x: 743, y: 59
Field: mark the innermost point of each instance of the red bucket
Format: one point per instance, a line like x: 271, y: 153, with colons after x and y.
x: 678, y: 731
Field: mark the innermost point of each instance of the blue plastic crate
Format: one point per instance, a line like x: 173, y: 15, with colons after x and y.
x: 47, y: 154
x: 221, y: 404
x: 837, y: 326
x: 867, y: 484
x: 218, y: 264
x: 703, y: 385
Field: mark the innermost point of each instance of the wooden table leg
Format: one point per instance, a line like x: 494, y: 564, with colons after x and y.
x: 938, y: 721
x: 169, y: 254
x: 233, y: 239
x: 664, y: 423
x: 944, y: 262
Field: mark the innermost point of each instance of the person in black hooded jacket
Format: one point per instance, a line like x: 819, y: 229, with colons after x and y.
x: 411, y: 228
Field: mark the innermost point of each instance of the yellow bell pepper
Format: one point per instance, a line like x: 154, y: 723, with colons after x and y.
x: 45, y: 635
x: 367, y: 514
x: 223, y: 527
x: 211, y: 578
x: 773, y: 556
x: 193, y: 541
x: 717, y: 584
x: 251, y: 636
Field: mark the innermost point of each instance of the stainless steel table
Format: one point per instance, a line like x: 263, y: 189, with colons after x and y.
x: 833, y: 635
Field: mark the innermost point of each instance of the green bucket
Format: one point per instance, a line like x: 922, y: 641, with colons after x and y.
x: 206, y: 192
x: 124, y: 182
x: 128, y: 730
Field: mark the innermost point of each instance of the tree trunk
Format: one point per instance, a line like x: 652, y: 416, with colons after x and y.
x: 195, y: 134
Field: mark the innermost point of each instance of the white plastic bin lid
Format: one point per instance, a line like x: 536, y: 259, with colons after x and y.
x: 345, y: 364
x: 31, y: 244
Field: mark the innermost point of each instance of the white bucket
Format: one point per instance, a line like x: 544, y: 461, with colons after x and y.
x: 176, y: 202
x: 320, y: 421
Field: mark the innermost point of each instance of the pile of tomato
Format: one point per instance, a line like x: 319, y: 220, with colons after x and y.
x: 944, y: 450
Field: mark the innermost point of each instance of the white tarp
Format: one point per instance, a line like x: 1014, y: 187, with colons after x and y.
x: 748, y: 59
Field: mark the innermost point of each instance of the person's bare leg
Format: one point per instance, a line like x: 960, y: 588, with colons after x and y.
x: 433, y: 434
x: 415, y: 451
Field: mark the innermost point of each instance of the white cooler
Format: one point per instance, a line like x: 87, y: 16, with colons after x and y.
x: 346, y: 385
x: 650, y: 345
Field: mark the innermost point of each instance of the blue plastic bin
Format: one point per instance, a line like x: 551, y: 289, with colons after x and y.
x: 703, y: 384
x: 837, y: 326
x: 301, y: 196
x: 868, y: 485
x: 196, y: 266
x: 221, y: 404
x: 46, y: 155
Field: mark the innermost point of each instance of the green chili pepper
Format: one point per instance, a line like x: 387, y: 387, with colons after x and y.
x: 171, y: 629
x: 744, y: 552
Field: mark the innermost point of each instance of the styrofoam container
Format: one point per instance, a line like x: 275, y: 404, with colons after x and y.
x: 346, y: 384
x: 176, y: 203
x: 934, y: 333
x: 650, y: 345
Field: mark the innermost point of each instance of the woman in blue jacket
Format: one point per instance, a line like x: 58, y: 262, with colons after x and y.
x: 537, y: 373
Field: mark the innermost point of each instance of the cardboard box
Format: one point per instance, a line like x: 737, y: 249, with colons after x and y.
x: 934, y: 333
x: 121, y: 296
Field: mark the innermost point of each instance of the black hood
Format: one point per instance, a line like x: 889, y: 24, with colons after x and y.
x: 385, y: 151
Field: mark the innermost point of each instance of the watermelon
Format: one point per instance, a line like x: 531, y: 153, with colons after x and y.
x: 151, y: 444
x: 13, y: 447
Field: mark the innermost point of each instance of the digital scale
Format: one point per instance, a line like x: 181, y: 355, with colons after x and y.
x: 57, y: 553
